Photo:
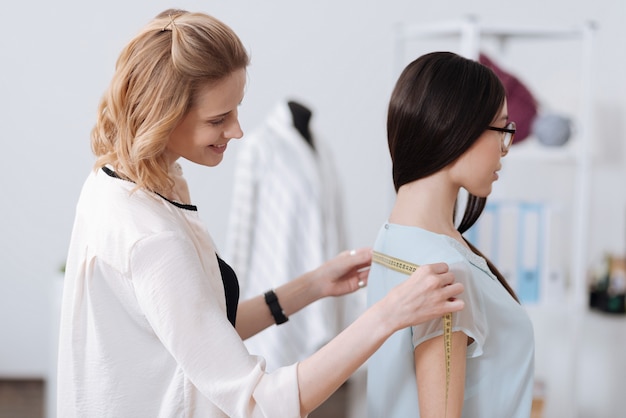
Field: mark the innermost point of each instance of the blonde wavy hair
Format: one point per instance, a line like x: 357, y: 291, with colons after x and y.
x: 156, y: 78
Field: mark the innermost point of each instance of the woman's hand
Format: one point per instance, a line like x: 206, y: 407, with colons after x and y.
x: 423, y: 296
x: 345, y: 273
x: 342, y: 274
x: 429, y: 292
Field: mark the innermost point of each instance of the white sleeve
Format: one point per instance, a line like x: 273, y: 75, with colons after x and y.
x: 472, y: 320
x: 185, y: 309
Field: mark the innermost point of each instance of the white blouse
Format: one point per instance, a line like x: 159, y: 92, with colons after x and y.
x: 144, y: 331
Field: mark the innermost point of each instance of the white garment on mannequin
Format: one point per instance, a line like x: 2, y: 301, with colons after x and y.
x: 285, y: 220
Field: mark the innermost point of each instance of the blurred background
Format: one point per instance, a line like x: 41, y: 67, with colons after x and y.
x: 341, y: 60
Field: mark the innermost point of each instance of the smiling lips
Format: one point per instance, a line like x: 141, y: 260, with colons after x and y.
x: 219, y: 148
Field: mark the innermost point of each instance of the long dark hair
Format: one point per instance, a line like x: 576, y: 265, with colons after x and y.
x: 441, y: 104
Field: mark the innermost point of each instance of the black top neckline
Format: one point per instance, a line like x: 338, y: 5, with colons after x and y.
x: 113, y: 174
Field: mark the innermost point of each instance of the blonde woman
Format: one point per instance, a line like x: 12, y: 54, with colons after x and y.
x: 152, y: 325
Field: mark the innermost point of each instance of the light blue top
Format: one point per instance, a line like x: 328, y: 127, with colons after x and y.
x: 500, y: 361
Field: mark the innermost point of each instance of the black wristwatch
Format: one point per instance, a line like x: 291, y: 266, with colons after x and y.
x: 277, y: 311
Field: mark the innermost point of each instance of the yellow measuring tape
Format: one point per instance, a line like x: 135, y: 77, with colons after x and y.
x: 408, y: 268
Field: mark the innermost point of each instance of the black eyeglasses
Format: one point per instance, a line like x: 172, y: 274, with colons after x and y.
x: 507, y: 138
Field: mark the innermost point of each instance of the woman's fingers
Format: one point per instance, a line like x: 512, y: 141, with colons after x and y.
x: 434, y: 268
x: 448, y: 294
x: 451, y: 291
x: 345, y: 273
x: 361, y: 277
x: 430, y: 291
x: 453, y: 305
x: 358, y: 258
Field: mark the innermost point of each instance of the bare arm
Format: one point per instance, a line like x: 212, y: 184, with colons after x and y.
x: 430, y: 368
x: 424, y: 296
x: 336, y: 277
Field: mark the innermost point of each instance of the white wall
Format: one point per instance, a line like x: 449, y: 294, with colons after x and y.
x: 335, y: 56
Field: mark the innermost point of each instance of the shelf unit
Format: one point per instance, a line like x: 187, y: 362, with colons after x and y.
x: 470, y: 34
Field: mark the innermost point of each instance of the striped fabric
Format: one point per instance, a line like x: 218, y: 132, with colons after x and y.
x: 285, y: 220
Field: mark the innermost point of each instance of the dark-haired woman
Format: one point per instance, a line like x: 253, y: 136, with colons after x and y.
x: 448, y: 129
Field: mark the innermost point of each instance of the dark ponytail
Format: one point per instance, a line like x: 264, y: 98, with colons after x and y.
x: 441, y: 104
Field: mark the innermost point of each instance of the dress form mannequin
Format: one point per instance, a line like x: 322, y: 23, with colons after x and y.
x: 301, y: 117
